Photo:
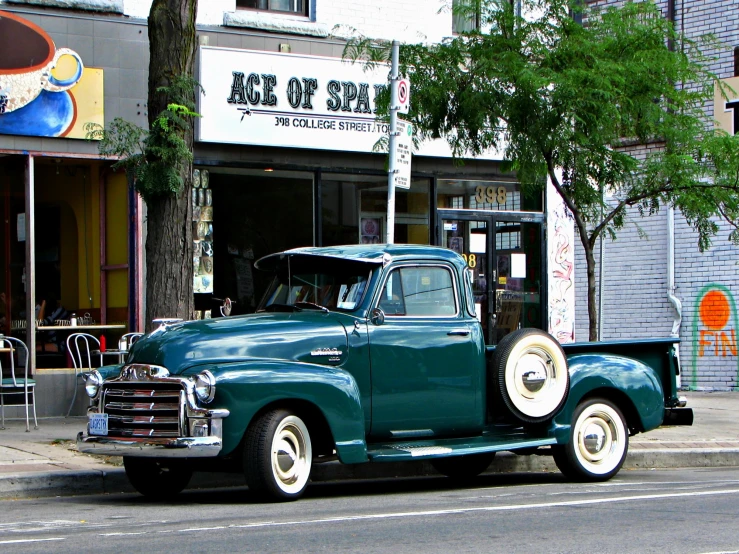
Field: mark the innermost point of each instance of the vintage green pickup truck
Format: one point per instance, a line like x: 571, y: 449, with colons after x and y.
x: 369, y: 354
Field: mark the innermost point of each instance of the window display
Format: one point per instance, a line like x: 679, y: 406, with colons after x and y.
x: 202, y: 232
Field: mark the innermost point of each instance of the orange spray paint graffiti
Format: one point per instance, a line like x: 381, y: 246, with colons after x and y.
x: 714, y: 325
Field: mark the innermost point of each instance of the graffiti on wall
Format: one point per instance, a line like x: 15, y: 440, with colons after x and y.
x: 715, y: 326
x: 561, y: 263
x: 45, y: 91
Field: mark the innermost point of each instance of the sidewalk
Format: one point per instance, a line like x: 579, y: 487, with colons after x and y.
x: 44, y: 462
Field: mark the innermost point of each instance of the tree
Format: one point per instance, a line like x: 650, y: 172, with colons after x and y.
x: 567, y: 102
x: 159, y: 161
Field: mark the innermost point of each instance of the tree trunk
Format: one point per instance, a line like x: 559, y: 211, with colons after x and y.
x: 169, y: 246
x: 592, y: 288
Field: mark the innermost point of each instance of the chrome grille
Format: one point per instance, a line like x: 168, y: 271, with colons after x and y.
x: 144, y: 409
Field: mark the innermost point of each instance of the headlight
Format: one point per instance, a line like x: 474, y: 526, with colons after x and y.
x: 205, y: 386
x: 92, y: 383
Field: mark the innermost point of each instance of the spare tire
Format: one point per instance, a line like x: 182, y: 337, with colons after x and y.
x: 530, y: 375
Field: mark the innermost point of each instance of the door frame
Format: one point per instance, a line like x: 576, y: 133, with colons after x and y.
x: 491, y: 217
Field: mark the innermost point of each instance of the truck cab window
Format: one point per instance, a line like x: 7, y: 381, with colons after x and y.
x: 419, y: 291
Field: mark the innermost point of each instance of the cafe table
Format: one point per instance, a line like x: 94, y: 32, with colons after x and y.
x: 88, y: 328
x: 75, y: 328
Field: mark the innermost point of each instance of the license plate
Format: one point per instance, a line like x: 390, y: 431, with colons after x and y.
x: 98, y: 424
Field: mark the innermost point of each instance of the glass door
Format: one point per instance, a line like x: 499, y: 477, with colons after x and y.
x: 505, y: 252
x: 518, y: 246
x: 469, y: 236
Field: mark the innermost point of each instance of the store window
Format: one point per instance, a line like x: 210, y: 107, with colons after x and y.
x: 465, y: 16
x: 299, y: 7
x: 354, y: 210
x: 70, y: 252
x: 248, y: 214
x: 461, y: 194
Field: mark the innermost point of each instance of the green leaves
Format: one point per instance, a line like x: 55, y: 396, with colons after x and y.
x: 616, y: 104
x: 153, y: 157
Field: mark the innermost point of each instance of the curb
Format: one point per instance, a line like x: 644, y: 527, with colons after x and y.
x: 87, y: 482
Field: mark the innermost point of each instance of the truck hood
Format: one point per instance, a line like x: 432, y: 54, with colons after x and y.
x: 308, y: 336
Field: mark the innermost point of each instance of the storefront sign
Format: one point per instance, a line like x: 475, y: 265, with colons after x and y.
x: 726, y: 110
x: 275, y: 99
x: 45, y: 91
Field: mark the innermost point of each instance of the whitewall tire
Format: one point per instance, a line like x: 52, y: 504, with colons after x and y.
x: 599, y: 441
x: 530, y: 375
x: 278, y: 456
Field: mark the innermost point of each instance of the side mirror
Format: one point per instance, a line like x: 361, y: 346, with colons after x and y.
x: 377, y: 317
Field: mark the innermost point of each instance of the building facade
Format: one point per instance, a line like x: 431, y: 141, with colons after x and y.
x: 284, y: 157
x: 653, y: 259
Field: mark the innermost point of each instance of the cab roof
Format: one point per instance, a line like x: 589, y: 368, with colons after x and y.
x: 381, y: 254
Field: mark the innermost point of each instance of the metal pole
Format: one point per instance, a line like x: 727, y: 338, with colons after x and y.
x: 393, y: 139
x: 31, y: 264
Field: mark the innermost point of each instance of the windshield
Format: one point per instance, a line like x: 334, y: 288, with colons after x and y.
x: 317, y: 283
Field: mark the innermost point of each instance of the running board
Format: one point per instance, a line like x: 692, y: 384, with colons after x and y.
x: 422, y: 449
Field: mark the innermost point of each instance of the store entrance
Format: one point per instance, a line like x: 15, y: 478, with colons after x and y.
x: 505, y: 252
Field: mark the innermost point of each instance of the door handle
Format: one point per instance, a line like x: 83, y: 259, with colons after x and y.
x: 459, y: 333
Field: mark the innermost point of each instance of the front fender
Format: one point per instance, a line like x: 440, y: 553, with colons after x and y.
x: 617, y: 376
x: 244, y: 388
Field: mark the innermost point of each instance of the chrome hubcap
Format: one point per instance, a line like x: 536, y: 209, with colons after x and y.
x: 533, y: 372
x: 601, y: 438
x: 594, y: 438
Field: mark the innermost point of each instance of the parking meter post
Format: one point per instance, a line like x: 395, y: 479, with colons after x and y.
x: 393, y: 138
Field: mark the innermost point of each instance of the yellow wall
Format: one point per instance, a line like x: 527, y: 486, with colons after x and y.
x: 75, y: 189
x: 418, y: 203
x: 116, y: 233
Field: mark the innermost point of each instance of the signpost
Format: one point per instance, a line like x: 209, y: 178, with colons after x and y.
x: 401, y: 132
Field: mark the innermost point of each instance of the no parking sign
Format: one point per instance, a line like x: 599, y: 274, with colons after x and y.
x: 403, y: 94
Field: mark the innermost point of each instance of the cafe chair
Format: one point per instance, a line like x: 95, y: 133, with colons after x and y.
x: 84, y: 349
x: 16, y: 351
x: 127, y: 340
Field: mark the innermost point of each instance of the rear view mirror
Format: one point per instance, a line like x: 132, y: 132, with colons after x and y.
x: 377, y: 317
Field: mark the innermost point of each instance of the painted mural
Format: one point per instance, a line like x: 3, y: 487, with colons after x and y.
x: 561, y: 263
x: 45, y: 91
x: 715, y: 325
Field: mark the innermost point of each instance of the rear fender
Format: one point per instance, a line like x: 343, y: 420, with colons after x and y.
x: 245, y: 388
x: 632, y: 384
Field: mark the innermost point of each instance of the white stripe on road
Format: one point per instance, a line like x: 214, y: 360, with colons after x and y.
x: 33, y: 540
x: 455, y: 511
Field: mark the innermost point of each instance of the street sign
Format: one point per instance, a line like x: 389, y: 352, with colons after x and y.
x: 403, y: 150
x: 404, y: 94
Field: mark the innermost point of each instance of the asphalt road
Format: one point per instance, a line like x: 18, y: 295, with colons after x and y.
x: 691, y: 511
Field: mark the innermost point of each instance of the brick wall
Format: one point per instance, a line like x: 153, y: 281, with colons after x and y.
x: 635, y: 268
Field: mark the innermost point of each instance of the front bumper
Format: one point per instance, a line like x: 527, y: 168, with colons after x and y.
x: 179, y: 447
x: 155, y: 415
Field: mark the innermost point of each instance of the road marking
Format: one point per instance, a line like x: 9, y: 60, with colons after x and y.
x: 121, y: 534
x: 455, y: 511
x: 34, y: 540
